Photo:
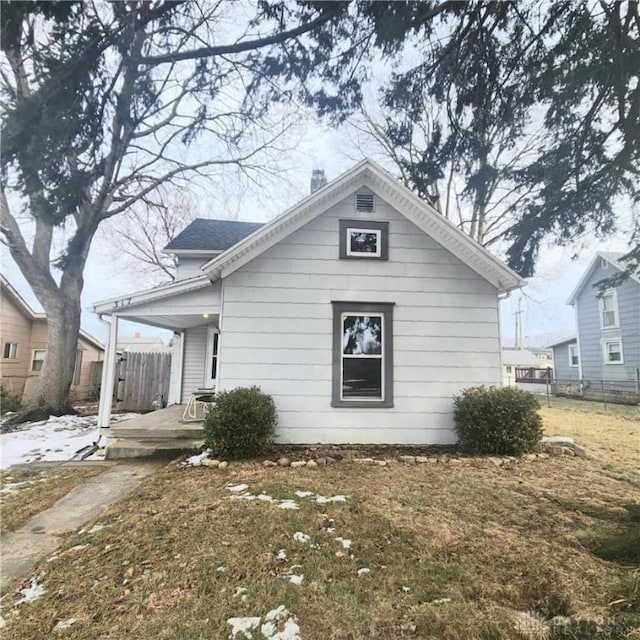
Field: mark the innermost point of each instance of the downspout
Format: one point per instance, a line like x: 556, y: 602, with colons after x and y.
x: 104, y: 410
x: 108, y: 373
x: 504, y: 296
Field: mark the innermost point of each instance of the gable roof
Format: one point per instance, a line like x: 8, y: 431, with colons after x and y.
x: 205, y: 234
x: 10, y: 293
x: 565, y: 341
x: 613, y: 258
x: 370, y: 174
x: 524, y: 357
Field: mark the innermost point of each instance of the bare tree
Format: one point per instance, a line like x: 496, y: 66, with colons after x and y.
x: 103, y: 104
x: 147, y: 228
x: 484, y: 212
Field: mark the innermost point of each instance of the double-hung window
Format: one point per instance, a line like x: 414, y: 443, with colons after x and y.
x: 10, y: 350
x: 574, y: 358
x: 609, y: 309
x: 37, y: 361
x: 612, y: 351
x: 362, y: 354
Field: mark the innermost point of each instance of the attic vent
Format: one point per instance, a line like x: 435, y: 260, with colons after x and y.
x: 364, y: 202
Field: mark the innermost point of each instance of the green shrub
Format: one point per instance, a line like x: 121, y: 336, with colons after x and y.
x: 241, y: 424
x: 499, y: 420
x: 8, y: 401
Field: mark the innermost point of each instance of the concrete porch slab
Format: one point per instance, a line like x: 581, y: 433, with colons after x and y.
x: 155, y: 432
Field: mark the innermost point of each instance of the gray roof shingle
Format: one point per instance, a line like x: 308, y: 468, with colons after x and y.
x: 204, y: 234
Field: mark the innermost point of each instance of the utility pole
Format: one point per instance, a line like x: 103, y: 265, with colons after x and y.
x: 517, y: 314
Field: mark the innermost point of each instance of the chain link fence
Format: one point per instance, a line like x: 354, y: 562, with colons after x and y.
x: 619, y: 392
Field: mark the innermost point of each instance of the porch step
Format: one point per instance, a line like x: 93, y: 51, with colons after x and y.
x: 178, y: 431
x: 119, y: 448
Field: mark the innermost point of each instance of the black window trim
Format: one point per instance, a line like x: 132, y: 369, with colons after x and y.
x: 371, y: 308
x: 373, y: 225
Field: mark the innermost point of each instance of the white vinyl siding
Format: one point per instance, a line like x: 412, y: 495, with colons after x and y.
x: 277, y: 330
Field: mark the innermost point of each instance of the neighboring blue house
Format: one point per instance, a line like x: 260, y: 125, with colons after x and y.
x: 566, y: 360
x: 608, y: 341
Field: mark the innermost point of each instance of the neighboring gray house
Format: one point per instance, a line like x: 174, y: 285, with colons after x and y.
x: 361, y: 310
x: 566, y: 360
x: 608, y: 342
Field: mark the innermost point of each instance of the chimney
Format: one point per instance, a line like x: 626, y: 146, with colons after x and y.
x: 318, y: 179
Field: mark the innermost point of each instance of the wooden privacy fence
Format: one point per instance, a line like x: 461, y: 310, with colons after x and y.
x: 142, y: 378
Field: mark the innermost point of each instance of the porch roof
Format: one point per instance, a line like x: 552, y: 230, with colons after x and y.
x: 174, y: 306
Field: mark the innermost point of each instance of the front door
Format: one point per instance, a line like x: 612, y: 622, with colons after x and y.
x: 211, y: 358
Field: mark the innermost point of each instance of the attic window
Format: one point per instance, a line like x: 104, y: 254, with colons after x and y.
x: 365, y: 202
x: 362, y: 240
x: 603, y: 263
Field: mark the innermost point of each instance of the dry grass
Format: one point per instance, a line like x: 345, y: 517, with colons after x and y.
x: 493, y: 542
x: 613, y: 437
x: 25, y: 493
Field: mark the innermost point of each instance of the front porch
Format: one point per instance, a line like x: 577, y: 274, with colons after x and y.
x: 156, y: 432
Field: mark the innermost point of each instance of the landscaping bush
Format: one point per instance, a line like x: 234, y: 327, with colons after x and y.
x: 241, y: 423
x: 503, y: 421
x: 8, y: 401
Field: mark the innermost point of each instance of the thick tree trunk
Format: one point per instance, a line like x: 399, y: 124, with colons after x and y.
x: 56, y: 376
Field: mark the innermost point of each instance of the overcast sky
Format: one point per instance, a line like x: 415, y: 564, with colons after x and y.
x: 546, y: 317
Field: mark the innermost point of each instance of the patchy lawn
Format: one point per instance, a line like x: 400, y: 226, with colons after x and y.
x: 614, y: 437
x: 465, y: 550
x: 27, y: 492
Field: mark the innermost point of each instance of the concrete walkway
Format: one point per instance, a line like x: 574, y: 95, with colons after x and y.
x: 24, y: 548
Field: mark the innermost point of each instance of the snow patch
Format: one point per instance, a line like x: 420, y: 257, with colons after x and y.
x: 323, y: 500
x: 196, y: 461
x: 58, y: 438
x: 244, y: 626
x: 237, y: 488
x: 241, y: 592
x: 345, y: 542
x: 282, y: 554
x: 364, y: 571
x: 79, y: 547
x: 34, y: 591
x: 289, y: 505
x: 65, y: 624
x: 296, y: 579
x: 304, y: 494
x: 277, y: 624
x: 298, y: 536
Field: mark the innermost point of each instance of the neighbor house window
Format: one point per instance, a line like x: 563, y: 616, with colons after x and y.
x: 363, y: 239
x: 10, y: 350
x: 609, y: 309
x: 38, y: 359
x: 612, y: 351
x: 77, y: 370
x: 573, y: 355
x: 363, y: 354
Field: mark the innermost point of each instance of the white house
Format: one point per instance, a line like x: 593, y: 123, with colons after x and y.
x: 361, y: 310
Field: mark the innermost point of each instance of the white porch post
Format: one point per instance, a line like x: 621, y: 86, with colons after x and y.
x: 177, y: 362
x: 108, y: 375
